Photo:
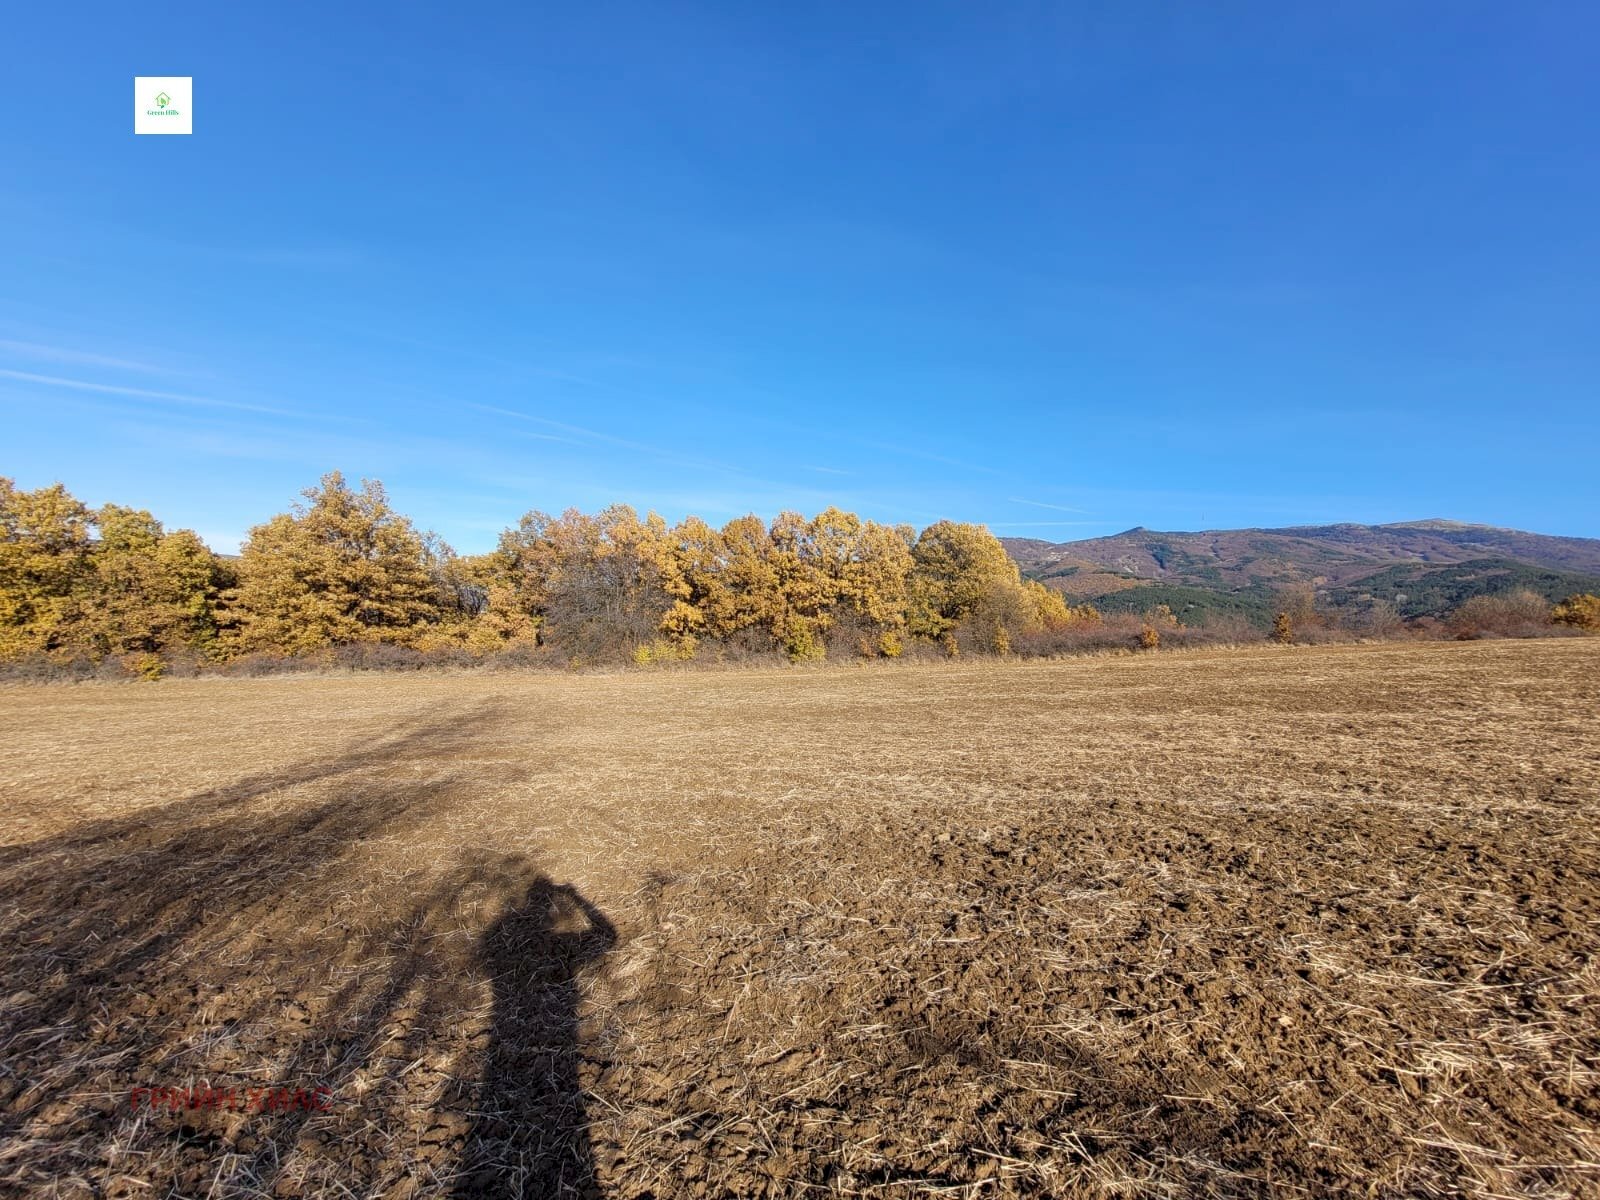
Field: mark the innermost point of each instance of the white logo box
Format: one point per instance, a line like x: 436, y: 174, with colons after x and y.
x: 163, y: 104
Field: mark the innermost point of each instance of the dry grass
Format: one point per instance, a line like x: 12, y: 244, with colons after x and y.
x: 1281, y: 921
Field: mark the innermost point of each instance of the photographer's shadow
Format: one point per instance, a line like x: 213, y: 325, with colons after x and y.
x: 530, y: 1135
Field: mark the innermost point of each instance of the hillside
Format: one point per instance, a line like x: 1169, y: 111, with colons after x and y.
x: 1422, y: 567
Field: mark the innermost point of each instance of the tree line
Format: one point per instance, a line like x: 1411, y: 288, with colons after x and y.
x: 343, y: 577
x: 342, y: 568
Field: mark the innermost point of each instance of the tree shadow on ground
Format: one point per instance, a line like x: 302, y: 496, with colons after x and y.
x: 291, y: 931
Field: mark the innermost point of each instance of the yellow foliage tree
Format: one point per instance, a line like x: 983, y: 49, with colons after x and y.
x: 525, y: 563
x: 960, y: 572
x: 107, y: 582
x: 601, y: 585
x: 1581, y: 612
x: 488, y: 615
x: 1050, y: 609
x: 870, y: 568
x: 747, y: 597
x: 151, y: 591
x: 692, y: 561
x: 343, y: 567
x: 806, y: 585
x: 45, y: 567
x: 1298, y: 603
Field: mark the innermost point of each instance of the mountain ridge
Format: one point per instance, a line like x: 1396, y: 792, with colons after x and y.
x: 1249, y: 566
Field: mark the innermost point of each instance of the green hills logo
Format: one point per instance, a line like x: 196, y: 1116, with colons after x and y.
x: 163, y: 104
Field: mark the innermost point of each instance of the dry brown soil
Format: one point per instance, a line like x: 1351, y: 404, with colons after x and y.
x: 1284, y: 922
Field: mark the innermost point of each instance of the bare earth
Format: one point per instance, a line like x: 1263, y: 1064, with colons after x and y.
x: 1274, y: 922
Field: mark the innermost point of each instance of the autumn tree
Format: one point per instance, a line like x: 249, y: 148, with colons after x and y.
x: 962, y: 579
x: 341, y: 567
x: 150, y: 591
x: 105, y: 582
x: 1298, y: 603
x: 1050, y: 610
x: 45, y: 567
x: 1580, y: 612
x: 805, y: 587
x: 525, y: 562
x: 484, y: 592
x: 868, y: 569
x: 1283, y: 628
x: 1380, y: 619
x: 722, y: 583
x: 597, y: 584
x: 693, y: 559
x: 748, y: 605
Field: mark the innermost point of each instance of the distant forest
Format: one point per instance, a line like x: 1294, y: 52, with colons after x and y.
x: 342, y: 578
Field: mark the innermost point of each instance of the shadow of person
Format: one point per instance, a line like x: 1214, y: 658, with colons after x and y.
x: 530, y: 1135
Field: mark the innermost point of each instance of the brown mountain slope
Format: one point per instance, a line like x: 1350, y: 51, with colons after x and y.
x: 1328, y: 555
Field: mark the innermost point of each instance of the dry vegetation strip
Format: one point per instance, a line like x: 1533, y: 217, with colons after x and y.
x: 1299, y: 922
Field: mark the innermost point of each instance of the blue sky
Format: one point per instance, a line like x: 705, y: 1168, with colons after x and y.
x: 1061, y: 268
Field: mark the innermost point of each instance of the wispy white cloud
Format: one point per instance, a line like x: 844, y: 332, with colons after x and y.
x: 82, y: 358
x: 109, y: 389
x: 519, y: 366
x: 928, y: 456
x: 506, y: 412
x: 1051, y: 524
x: 827, y: 470
x: 659, y: 453
x: 578, y: 430
x: 1042, y: 504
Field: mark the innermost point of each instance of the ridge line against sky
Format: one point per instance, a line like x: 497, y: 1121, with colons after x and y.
x: 1060, y: 270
